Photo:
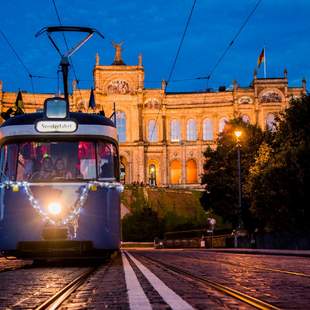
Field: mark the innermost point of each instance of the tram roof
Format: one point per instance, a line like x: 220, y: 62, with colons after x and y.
x: 80, y: 118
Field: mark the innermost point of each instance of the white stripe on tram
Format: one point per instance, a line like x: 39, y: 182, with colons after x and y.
x: 168, y: 295
x: 136, y: 295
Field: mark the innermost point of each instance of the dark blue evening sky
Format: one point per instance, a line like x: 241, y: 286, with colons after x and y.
x: 154, y: 28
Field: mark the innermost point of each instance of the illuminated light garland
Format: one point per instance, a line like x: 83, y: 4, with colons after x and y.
x: 72, y: 218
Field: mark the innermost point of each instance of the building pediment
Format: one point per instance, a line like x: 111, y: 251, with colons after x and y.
x: 271, y: 95
x: 119, y: 87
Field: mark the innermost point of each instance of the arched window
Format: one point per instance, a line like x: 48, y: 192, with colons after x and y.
x: 270, y: 122
x: 175, y: 130
x: 191, y: 171
x: 191, y: 130
x: 152, y: 131
x: 245, y: 118
x: 207, y: 128
x: 175, y: 172
x: 121, y: 126
x: 222, y: 124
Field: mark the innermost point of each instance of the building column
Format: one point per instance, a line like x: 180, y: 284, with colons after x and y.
x: 183, y: 163
x: 140, y: 120
x: 199, y: 121
x: 139, y: 163
x: 165, y: 163
x: 164, y: 126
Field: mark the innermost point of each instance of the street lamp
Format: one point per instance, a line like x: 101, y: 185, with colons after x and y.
x: 238, y: 134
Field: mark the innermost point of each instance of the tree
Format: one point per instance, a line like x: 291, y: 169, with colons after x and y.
x: 221, y: 178
x: 279, y: 179
x: 142, y: 225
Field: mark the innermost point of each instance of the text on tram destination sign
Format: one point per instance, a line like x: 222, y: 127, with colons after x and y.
x: 56, y: 126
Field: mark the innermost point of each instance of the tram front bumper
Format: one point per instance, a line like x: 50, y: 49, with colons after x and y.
x: 54, y: 248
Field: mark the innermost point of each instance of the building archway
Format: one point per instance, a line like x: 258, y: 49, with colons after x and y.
x: 152, y: 175
x: 191, y: 172
x: 153, y: 172
x: 175, y: 172
x: 124, y: 170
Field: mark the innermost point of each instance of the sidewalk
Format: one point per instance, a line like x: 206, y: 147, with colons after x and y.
x: 301, y: 253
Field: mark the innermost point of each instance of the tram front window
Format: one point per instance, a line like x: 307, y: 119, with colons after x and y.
x: 54, y: 161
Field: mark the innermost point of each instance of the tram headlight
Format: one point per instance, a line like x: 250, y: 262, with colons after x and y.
x: 54, y: 208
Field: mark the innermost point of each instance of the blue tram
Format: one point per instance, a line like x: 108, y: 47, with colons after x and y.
x: 59, y: 190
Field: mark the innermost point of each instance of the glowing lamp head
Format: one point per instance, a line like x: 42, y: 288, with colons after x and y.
x: 54, y: 208
x: 238, y: 133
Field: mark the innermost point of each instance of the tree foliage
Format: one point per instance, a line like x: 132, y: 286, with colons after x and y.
x: 142, y: 225
x: 279, y: 179
x: 221, y: 174
x: 275, y: 173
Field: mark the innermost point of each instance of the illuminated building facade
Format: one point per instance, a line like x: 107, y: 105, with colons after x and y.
x: 163, y: 135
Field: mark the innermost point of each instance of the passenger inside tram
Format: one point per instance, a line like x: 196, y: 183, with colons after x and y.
x: 61, y: 171
x: 46, y: 172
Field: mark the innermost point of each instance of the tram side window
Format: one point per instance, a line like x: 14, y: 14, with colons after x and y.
x: 107, y: 160
x: 8, y: 162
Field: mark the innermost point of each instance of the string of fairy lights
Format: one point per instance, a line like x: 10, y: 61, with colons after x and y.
x: 75, y: 209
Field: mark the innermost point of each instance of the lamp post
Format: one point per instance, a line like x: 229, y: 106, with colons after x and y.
x: 238, y: 134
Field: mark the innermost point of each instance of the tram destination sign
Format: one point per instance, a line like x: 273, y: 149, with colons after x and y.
x: 56, y: 126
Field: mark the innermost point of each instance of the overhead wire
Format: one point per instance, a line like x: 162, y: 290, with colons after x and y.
x: 30, y: 75
x: 67, y: 46
x: 181, y: 42
x: 231, y: 42
x: 176, y: 58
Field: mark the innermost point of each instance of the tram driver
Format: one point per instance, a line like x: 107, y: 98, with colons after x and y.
x: 47, y: 170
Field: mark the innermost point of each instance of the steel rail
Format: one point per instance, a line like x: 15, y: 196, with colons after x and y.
x: 292, y: 273
x: 56, y: 300
x: 255, y: 302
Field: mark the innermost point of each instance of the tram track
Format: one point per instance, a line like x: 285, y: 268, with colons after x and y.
x: 276, y: 270
x: 64, y: 294
x: 240, y: 296
x: 61, y: 296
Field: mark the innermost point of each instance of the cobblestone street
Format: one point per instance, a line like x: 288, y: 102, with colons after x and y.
x: 143, y: 279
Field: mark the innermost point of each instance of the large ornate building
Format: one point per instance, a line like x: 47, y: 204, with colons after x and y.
x: 163, y: 135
